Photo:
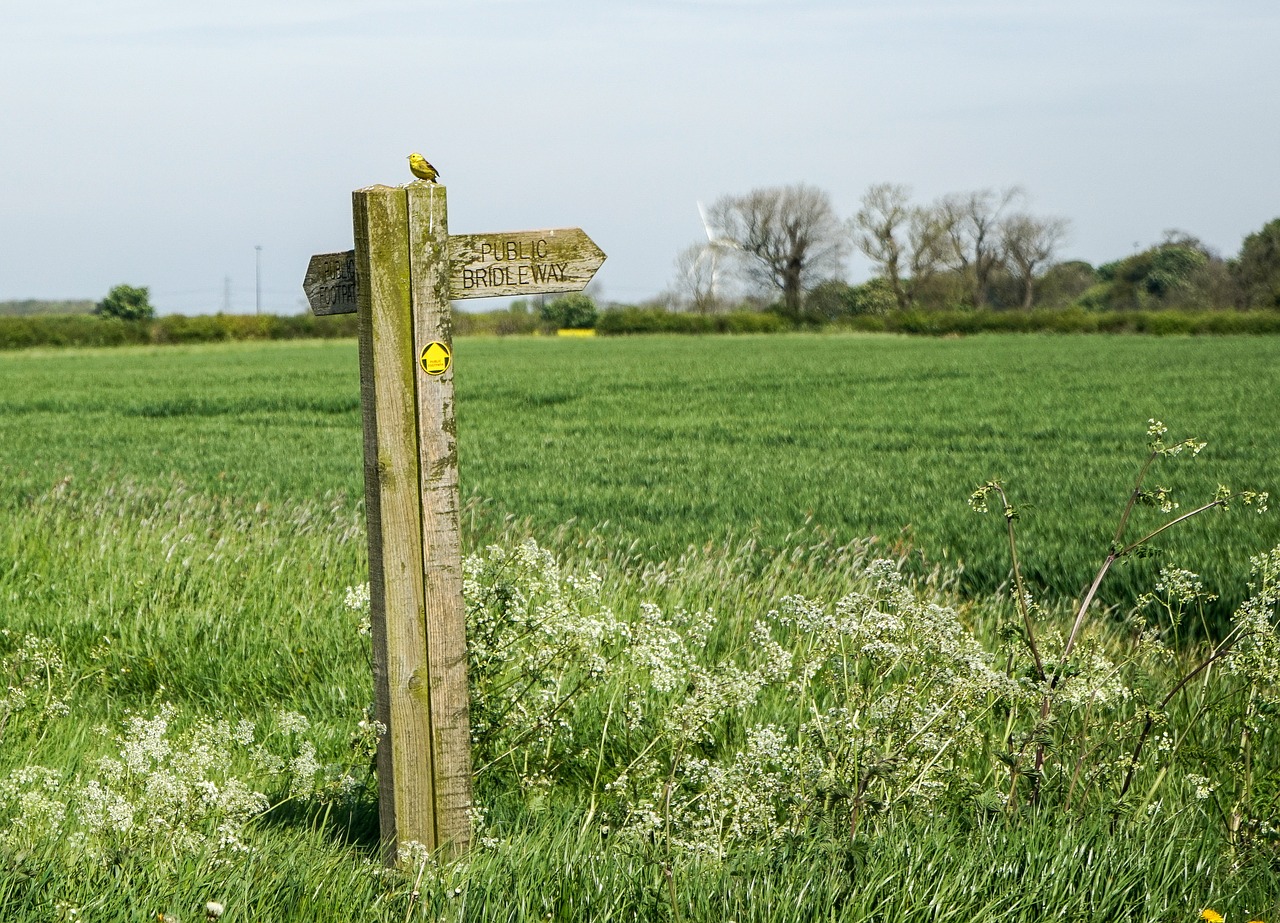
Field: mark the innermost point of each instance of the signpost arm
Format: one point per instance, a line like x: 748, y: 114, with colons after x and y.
x: 406, y: 803
x: 442, y: 557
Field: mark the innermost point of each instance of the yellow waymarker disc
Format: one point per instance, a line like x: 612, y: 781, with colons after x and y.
x: 435, y: 358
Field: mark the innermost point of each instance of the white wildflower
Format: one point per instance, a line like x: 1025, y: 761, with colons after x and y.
x: 1203, y: 786
x: 293, y: 723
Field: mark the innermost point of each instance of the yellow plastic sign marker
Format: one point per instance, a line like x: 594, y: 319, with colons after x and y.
x: 435, y: 359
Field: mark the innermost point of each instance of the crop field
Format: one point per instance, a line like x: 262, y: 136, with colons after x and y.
x: 662, y: 444
x: 739, y: 716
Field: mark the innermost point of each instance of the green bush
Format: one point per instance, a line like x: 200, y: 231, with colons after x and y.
x: 1257, y: 270
x: 1178, y: 273
x: 88, y: 330
x: 516, y: 319
x: 127, y: 302
x: 93, y: 331
x: 215, y: 328
x: 748, y: 322
x: 617, y: 321
x: 70, y: 330
x: 833, y: 299
x: 1066, y: 282
x: 574, y: 311
x: 179, y: 328
x: 1165, y: 323
x: 307, y: 326
x: 865, y: 323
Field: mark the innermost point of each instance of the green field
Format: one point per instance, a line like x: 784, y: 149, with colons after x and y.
x: 681, y: 738
x: 667, y: 443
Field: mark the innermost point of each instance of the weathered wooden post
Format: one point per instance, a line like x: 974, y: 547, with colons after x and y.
x: 399, y: 280
x: 411, y: 495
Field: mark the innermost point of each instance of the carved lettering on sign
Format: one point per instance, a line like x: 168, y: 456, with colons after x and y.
x: 330, y: 283
x: 514, y: 249
x: 525, y: 274
x: 480, y: 266
x: 521, y: 262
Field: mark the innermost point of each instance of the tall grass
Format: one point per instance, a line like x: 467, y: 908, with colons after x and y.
x: 227, y: 610
x: 549, y: 870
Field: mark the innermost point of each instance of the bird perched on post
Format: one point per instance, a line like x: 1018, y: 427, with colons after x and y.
x: 419, y: 167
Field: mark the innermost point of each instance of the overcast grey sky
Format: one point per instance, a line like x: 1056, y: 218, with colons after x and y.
x: 156, y: 142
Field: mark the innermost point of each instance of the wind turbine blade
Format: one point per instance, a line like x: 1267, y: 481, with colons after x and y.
x: 705, y: 223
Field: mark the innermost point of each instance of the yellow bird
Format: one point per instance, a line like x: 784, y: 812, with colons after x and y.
x: 419, y: 167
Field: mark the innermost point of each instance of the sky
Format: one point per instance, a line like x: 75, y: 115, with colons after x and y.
x: 161, y: 142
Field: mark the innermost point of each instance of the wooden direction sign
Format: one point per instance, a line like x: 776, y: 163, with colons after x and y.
x: 521, y: 263
x: 330, y: 283
x: 480, y: 266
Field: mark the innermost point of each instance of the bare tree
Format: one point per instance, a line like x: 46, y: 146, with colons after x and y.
x: 908, y: 243
x: 788, y: 238
x: 879, y: 232
x: 927, y: 246
x: 695, y: 282
x: 1028, y: 243
x: 973, y: 229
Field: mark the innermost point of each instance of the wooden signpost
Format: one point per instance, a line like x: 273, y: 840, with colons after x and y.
x: 399, y: 279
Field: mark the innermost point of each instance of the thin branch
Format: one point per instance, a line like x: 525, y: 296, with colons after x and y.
x: 1019, y: 587
x: 1223, y: 647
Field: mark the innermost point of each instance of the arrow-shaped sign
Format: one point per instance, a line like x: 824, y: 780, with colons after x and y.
x: 480, y: 266
x: 330, y: 283
x: 521, y: 263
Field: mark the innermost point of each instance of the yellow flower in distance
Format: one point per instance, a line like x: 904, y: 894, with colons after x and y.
x: 1210, y: 915
x: 419, y: 167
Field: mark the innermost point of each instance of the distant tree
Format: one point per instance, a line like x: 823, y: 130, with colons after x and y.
x: 879, y: 232
x: 788, y: 239
x: 972, y: 221
x: 1063, y: 283
x: 1214, y: 285
x: 906, y: 242
x: 1027, y: 244
x: 1174, y: 273
x: 574, y: 310
x: 696, y: 280
x: 126, y: 303
x: 872, y: 297
x: 828, y: 300
x: 1167, y: 269
x: 1257, y: 269
x: 834, y: 298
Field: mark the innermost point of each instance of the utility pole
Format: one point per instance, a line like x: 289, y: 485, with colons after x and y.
x: 257, y: 298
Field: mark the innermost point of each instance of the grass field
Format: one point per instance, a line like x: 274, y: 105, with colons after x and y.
x: 667, y: 443
x: 179, y: 527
